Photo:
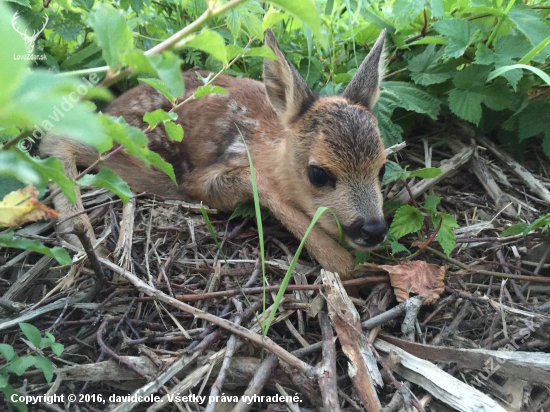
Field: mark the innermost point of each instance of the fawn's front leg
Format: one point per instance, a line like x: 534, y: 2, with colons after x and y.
x: 330, y: 255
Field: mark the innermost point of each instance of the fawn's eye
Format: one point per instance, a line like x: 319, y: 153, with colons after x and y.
x: 381, y: 173
x: 319, y: 177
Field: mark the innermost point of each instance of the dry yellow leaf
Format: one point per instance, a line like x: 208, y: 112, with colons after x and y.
x: 23, y: 206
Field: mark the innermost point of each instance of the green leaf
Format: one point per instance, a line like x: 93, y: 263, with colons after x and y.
x: 305, y: 11
x: 427, y: 173
x: 50, y: 337
x: 168, y: 68
x: 34, y: 171
x: 6, y: 351
x: 426, y: 70
x: 209, y: 89
x: 244, y: 209
x: 445, y: 236
x: 32, y: 333
x: 57, y: 348
x: 8, y: 392
x: 532, y: 24
x: 46, y: 366
x: 58, y: 253
x: 394, y: 172
x: 110, y: 180
x: 501, y: 70
x: 516, y: 229
x: 3, y: 381
x: 466, y: 104
x: 397, y: 247
x: 361, y: 257
x: 174, y: 131
x: 112, y: 33
x: 407, y: 220
x: 533, y: 120
x: 458, y: 33
x: 430, y: 205
x: 262, y: 51
x: 160, y: 86
x: 413, y: 98
x: 19, y: 365
x: 159, y: 115
x: 209, y: 41
x: 405, y: 11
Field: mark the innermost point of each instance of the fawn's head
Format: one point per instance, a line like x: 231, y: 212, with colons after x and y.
x: 335, y: 153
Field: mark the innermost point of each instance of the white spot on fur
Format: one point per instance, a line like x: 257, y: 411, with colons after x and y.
x: 236, y: 147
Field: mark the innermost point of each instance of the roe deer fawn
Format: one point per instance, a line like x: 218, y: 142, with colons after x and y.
x: 308, y: 151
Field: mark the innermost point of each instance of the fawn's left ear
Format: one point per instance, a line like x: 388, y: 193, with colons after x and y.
x: 287, y: 90
x: 364, y: 88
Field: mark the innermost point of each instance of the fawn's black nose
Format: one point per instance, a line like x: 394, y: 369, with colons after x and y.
x: 374, y: 232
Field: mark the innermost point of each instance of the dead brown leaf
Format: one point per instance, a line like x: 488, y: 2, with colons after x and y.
x: 424, y: 279
x: 23, y: 206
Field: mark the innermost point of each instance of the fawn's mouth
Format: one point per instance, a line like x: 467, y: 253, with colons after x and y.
x: 365, y: 235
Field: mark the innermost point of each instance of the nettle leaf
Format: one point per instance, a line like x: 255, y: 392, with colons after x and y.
x: 413, y: 98
x: 19, y: 365
x: 262, y: 51
x: 458, y: 33
x: 46, y: 366
x: 7, y: 351
x: 445, y: 236
x: 174, y: 131
x: 209, y: 41
x: 407, y: 219
x: 534, y: 119
x: 497, y: 97
x: 158, y: 116
x: 405, y: 11
x: 58, y: 253
x: 466, y: 104
x: 110, y: 180
x: 426, y: 173
x: 533, y: 25
x: 391, y: 132
x: 233, y: 20
x: 394, y: 172
x: 425, y: 67
x: 32, y: 333
x: 209, y: 89
x: 111, y: 32
x: 397, y: 247
x: 244, y: 209
x: 516, y: 229
x: 430, y: 205
x: 361, y: 257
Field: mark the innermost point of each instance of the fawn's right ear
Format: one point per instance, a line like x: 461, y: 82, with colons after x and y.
x: 287, y: 90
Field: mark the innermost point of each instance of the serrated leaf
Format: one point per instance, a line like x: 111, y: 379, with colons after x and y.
x: 112, y: 32
x: 427, y: 173
x: 244, y: 209
x: 32, y: 333
x: 445, y: 236
x: 407, y: 220
x: 534, y: 120
x: 57, y: 348
x: 6, y: 351
x: 209, y: 89
x: 46, y: 366
x: 405, y: 11
x: 413, y: 98
x: 209, y: 41
x: 430, y: 205
x: 361, y: 257
x: 466, y: 104
x: 58, y: 253
x: 391, y: 132
x: 458, y: 33
x: 425, y: 67
x: 174, y: 131
x: 397, y: 247
x: 496, y: 97
x: 546, y: 144
x: 262, y: 51
x: 516, y: 229
x: 167, y: 65
x: 393, y: 172
x: 159, y: 115
x: 19, y: 365
x: 160, y: 86
x: 532, y: 24
x: 110, y: 180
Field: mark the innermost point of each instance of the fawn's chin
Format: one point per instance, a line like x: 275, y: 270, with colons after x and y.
x: 361, y: 245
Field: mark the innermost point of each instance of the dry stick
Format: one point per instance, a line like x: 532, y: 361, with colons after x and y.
x: 275, y: 288
x: 534, y: 184
x: 540, y: 279
x: 464, y: 311
x: 258, y: 381
x: 327, y: 371
x: 84, y: 238
x: 264, y: 342
x: 515, y: 286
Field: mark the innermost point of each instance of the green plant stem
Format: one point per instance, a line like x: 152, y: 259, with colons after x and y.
x: 432, y: 237
x: 500, y: 22
x: 12, y: 142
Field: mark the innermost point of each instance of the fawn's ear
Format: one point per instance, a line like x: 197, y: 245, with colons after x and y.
x: 364, y: 88
x: 287, y: 90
